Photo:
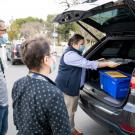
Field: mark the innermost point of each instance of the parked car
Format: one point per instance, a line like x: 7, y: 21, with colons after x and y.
x: 13, y: 53
x: 116, y: 19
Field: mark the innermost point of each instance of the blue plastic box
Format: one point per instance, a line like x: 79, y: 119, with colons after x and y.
x: 116, y: 87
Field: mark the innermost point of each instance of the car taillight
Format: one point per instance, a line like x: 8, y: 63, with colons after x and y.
x: 132, y: 83
x: 127, y: 128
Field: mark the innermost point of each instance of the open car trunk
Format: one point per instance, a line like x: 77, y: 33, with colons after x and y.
x: 107, y: 16
x: 115, y: 18
x: 119, y: 50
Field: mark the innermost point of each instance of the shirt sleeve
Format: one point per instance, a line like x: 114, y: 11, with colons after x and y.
x: 74, y: 59
x: 58, y: 116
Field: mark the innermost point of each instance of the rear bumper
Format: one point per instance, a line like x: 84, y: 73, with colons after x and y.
x: 15, y: 58
x: 104, y: 122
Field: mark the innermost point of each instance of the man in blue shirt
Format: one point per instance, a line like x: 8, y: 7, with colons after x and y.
x: 71, y: 74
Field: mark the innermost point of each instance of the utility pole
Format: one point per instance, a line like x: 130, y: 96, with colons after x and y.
x: 55, y: 35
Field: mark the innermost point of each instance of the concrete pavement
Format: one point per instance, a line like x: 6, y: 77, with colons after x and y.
x: 83, y: 122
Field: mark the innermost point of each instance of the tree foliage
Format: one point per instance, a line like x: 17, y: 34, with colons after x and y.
x: 62, y: 30
x: 49, y: 24
x: 65, y: 30
x: 15, y: 30
x: 69, y: 3
x: 29, y: 29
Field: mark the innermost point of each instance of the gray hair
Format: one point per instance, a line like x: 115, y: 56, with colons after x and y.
x: 33, y: 51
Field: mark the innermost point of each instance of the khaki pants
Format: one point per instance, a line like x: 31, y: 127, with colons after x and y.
x: 71, y: 104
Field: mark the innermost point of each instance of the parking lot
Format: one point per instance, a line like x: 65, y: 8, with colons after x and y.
x: 83, y: 122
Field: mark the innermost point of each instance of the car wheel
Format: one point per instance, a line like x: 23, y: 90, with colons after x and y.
x: 13, y: 62
x: 112, y: 132
x: 8, y: 59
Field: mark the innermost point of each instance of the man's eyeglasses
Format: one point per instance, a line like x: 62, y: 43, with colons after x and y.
x: 53, y: 53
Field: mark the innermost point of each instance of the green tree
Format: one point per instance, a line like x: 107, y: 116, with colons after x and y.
x: 15, y: 29
x: 49, y: 25
x: 65, y: 30
x: 62, y: 30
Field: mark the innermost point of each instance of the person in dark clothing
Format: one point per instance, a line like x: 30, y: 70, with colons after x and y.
x: 38, y: 105
x: 71, y: 74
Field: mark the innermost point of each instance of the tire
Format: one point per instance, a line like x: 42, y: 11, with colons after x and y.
x: 12, y: 62
x: 112, y: 132
x: 8, y: 59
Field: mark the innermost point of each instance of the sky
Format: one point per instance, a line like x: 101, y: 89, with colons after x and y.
x: 12, y: 9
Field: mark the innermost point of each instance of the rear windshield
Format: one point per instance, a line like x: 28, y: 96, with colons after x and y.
x: 114, y: 16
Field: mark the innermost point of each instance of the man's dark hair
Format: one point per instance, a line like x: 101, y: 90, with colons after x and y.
x: 33, y: 52
x: 75, y: 39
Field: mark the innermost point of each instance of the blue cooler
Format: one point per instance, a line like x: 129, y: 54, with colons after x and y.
x: 116, y: 87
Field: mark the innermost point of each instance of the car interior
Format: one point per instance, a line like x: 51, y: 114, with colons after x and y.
x: 121, y: 51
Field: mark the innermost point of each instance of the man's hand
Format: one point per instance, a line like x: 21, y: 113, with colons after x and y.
x: 112, y: 64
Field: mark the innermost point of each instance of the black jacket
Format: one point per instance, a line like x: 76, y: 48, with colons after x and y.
x: 39, y: 108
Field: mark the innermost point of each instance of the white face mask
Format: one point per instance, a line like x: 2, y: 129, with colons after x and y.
x: 82, y: 47
x: 53, y: 67
x: 53, y: 64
